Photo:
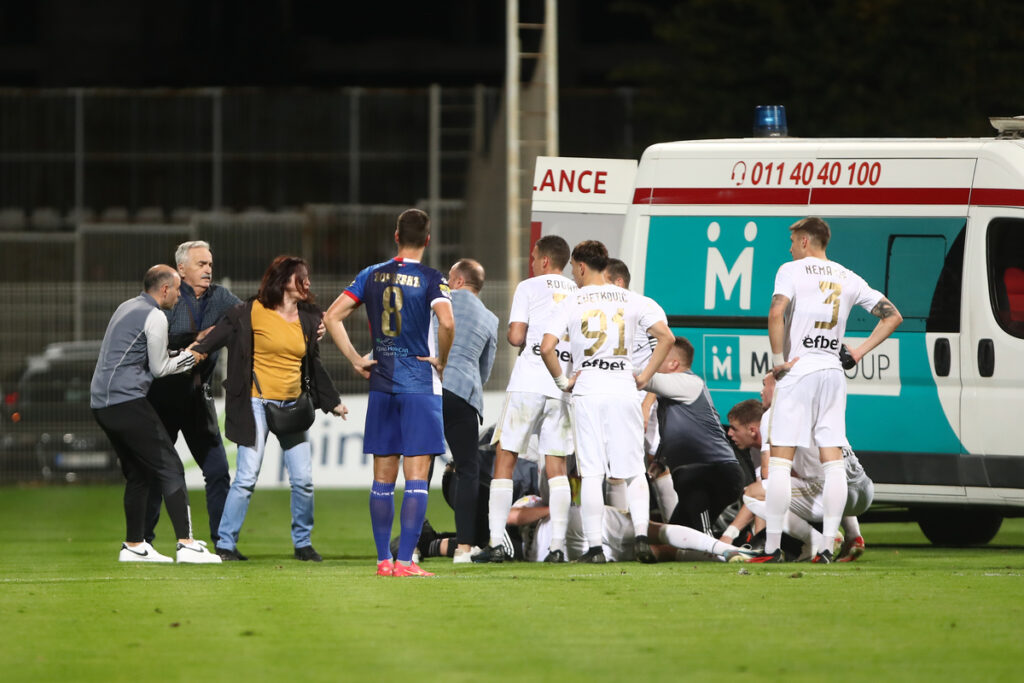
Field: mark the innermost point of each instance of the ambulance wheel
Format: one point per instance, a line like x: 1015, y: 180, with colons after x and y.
x: 959, y: 526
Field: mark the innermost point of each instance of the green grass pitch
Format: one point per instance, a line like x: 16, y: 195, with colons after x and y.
x: 69, y: 611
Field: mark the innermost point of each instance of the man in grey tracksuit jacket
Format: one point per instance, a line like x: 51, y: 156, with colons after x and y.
x: 134, y: 351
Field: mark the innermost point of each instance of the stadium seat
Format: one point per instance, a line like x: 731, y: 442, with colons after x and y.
x: 84, y: 214
x: 45, y: 218
x: 182, y: 214
x: 12, y: 219
x: 114, y: 214
x: 150, y: 214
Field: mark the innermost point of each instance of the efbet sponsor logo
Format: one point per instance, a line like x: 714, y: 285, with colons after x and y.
x: 564, y: 356
x: 722, y: 361
x: 732, y: 279
x: 602, y: 364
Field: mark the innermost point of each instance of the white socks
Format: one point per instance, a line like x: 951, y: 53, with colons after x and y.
x: 851, y: 526
x: 668, y: 499
x: 498, y: 507
x: 833, y: 500
x: 617, y: 496
x: 685, y: 538
x: 777, y: 494
x: 638, y: 495
x: 592, y: 509
x: 559, y: 500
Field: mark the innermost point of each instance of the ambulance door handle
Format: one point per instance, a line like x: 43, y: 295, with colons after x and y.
x: 986, y: 358
x: 943, y: 357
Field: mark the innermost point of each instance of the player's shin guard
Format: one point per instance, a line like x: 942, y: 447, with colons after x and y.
x: 833, y: 501
x: 498, y: 507
x: 618, y: 497
x: 382, y: 516
x: 592, y: 509
x: 668, y: 499
x: 777, y: 494
x: 559, y: 500
x: 638, y: 496
x: 414, y: 511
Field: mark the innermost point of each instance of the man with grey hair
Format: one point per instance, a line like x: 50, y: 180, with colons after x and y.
x: 133, y: 352
x: 184, y: 402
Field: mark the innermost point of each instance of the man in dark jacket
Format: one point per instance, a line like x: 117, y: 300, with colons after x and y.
x: 706, y: 475
x: 184, y: 402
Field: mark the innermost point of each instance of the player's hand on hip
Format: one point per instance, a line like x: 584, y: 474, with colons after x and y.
x: 572, y: 381
x: 780, y: 371
x: 363, y: 365
x: 438, y: 365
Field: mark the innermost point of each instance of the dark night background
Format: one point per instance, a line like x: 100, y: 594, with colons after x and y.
x: 845, y: 68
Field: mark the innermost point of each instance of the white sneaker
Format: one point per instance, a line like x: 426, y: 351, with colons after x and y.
x: 141, y: 553
x: 465, y: 556
x: 195, y: 552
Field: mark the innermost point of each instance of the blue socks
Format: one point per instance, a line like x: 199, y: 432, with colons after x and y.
x: 382, y: 516
x: 414, y: 511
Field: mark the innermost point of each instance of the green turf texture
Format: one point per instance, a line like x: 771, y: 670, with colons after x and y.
x: 69, y: 611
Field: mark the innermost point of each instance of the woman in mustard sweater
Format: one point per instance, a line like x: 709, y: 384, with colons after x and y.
x: 273, y: 353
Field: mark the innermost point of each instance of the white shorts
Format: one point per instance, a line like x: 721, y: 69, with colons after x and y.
x: 525, y: 414
x: 609, y: 435
x: 809, y: 411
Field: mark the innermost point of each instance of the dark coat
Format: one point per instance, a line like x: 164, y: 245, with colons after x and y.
x: 234, y: 330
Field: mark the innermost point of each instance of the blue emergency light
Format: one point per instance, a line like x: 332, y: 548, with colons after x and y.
x: 770, y: 121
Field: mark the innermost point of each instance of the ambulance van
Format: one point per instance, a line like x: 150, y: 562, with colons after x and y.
x: 937, y: 225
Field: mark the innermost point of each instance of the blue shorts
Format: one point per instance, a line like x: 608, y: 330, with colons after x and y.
x: 403, y: 424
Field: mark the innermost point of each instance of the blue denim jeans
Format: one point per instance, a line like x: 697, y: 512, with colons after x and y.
x: 298, y: 460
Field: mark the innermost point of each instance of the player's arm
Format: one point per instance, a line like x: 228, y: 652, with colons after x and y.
x: 646, y: 405
x: 445, y: 332
x: 334, y: 322
x: 517, y: 334
x: 666, y: 339
x: 743, y: 518
x: 888, y: 320
x: 549, y: 354
x: 777, y: 335
x: 521, y: 516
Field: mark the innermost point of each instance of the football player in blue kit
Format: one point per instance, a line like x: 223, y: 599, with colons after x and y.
x: 403, y: 415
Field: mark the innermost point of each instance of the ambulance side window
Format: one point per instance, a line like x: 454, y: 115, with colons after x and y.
x: 1006, y: 273
x: 944, y: 314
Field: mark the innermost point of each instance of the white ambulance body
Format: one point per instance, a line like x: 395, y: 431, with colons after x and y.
x: 936, y: 225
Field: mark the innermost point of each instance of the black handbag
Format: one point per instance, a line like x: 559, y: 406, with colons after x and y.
x: 291, y: 419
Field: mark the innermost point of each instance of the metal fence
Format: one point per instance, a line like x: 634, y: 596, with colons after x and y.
x: 75, y: 155
x: 52, y: 321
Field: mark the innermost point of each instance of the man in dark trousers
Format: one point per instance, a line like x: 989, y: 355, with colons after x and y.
x: 705, y: 473
x: 184, y: 401
x: 133, y: 352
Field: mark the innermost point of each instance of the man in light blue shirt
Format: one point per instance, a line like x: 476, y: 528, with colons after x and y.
x: 469, y: 365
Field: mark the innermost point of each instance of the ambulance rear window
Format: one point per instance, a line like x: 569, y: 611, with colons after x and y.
x: 1006, y: 273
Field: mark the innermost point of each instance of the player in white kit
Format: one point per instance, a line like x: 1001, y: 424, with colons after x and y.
x: 533, y: 404
x: 602, y: 321
x: 617, y: 273
x: 811, y: 303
